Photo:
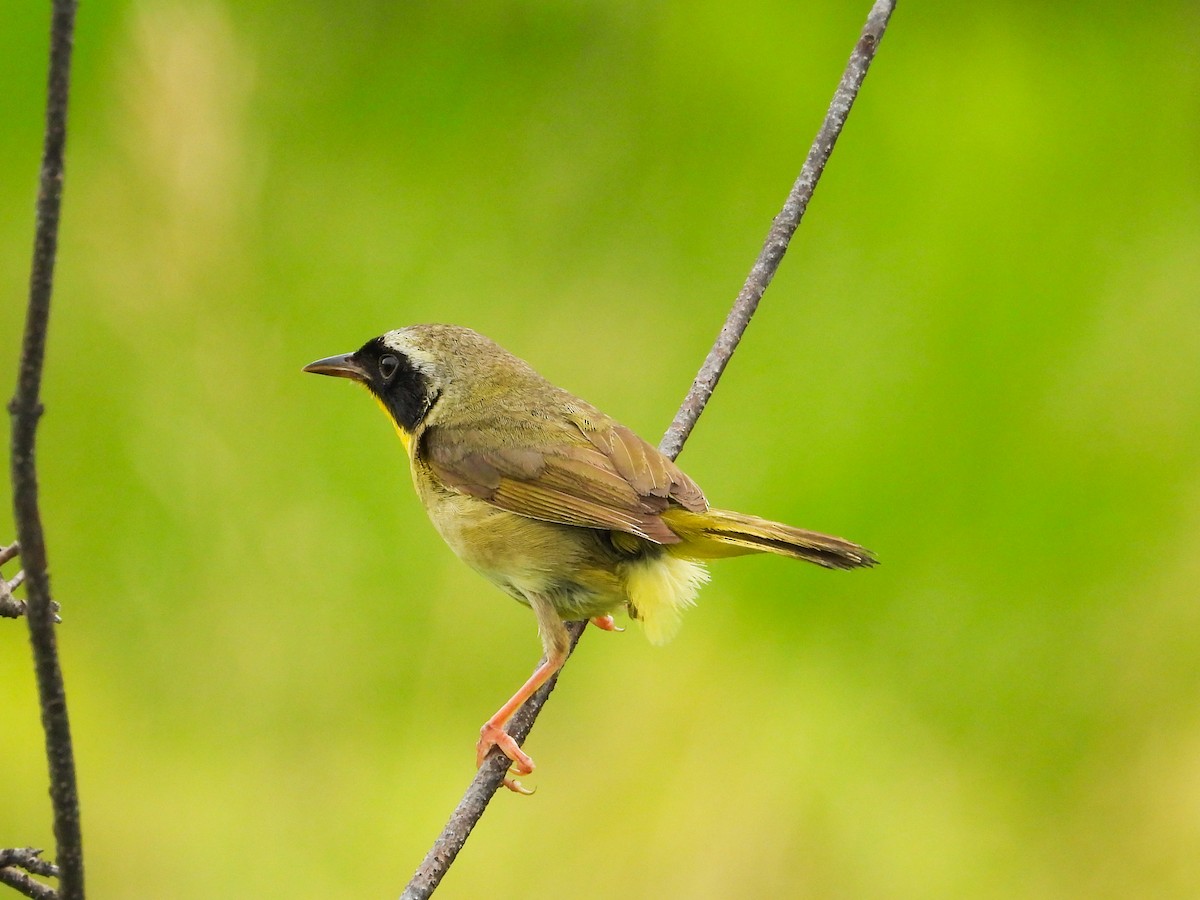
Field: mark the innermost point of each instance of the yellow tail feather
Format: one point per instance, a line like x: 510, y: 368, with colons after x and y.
x: 719, y: 533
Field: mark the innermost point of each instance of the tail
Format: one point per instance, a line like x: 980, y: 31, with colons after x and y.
x: 719, y: 532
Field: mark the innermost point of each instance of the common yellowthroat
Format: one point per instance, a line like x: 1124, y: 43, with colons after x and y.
x: 555, y: 503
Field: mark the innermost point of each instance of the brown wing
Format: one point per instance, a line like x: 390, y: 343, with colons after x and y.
x: 596, y: 474
x: 642, y: 466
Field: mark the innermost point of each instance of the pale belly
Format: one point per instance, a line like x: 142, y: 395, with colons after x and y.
x: 568, y: 565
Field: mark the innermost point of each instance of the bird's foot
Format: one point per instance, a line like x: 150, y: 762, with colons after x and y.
x: 493, y: 735
x: 606, y: 623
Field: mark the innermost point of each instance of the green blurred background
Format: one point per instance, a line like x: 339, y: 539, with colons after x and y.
x: 981, y: 358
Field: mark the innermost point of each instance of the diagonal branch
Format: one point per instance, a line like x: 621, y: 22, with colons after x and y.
x: 26, y: 409
x: 29, y: 859
x: 24, y: 884
x: 780, y: 233
x: 490, y: 775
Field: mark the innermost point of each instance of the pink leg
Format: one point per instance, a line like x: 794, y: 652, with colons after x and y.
x: 492, y: 734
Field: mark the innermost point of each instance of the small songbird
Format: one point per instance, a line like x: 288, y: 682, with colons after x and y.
x: 555, y: 503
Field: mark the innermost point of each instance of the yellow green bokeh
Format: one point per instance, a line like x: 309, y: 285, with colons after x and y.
x: 981, y: 359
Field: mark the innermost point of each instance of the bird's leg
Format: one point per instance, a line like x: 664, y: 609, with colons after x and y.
x: 555, y: 641
x: 606, y: 623
x: 492, y: 734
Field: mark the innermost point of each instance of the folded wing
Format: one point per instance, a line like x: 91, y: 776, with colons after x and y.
x: 595, y: 474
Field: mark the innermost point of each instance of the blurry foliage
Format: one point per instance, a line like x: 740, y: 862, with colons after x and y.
x: 980, y: 360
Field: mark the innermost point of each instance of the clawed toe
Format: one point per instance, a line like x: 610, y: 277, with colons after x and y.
x: 606, y: 623
x: 516, y: 787
x: 492, y: 735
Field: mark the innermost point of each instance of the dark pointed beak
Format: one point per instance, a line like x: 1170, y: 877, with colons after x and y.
x: 341, y: 366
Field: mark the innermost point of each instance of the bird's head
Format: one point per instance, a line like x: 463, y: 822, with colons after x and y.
x: 417, y: 372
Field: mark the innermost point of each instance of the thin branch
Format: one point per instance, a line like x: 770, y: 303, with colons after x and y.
x: 483, y: 787
x: 23, y: 884
x: 10, y: 606
x: 26, y: 409
x: 780, y: 233
x: 490, y: 775
x: 29, y: 859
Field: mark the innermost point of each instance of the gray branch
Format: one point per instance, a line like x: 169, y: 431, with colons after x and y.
x: 26, y: 410
x: 30, y: 860
x: 781, y: 231
x: 10, y: 606
x: 491, y: 774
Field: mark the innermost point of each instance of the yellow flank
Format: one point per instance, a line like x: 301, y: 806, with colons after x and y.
x: 660, y: 588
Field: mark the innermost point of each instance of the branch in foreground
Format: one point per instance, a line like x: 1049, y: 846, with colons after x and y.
x: 26, y: 409
x: 29, y: 859
x: 10, y: 606
x: 490, y: 775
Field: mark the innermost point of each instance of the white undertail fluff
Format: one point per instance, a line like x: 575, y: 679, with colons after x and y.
x: 660, y: 589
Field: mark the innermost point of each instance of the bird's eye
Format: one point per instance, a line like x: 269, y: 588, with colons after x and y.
x: 387, y: 367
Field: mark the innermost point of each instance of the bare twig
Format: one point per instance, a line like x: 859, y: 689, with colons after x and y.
x: 483, y: 787
x: 26, y: 409
x: 10, y: 606
x: 23, y: 884
x: 780, y: 233
x: 490, y: 775
x: 29, y: 859
x: 13, y: 607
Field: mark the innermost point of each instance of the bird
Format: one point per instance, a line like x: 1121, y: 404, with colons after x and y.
x: 557, y: 504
